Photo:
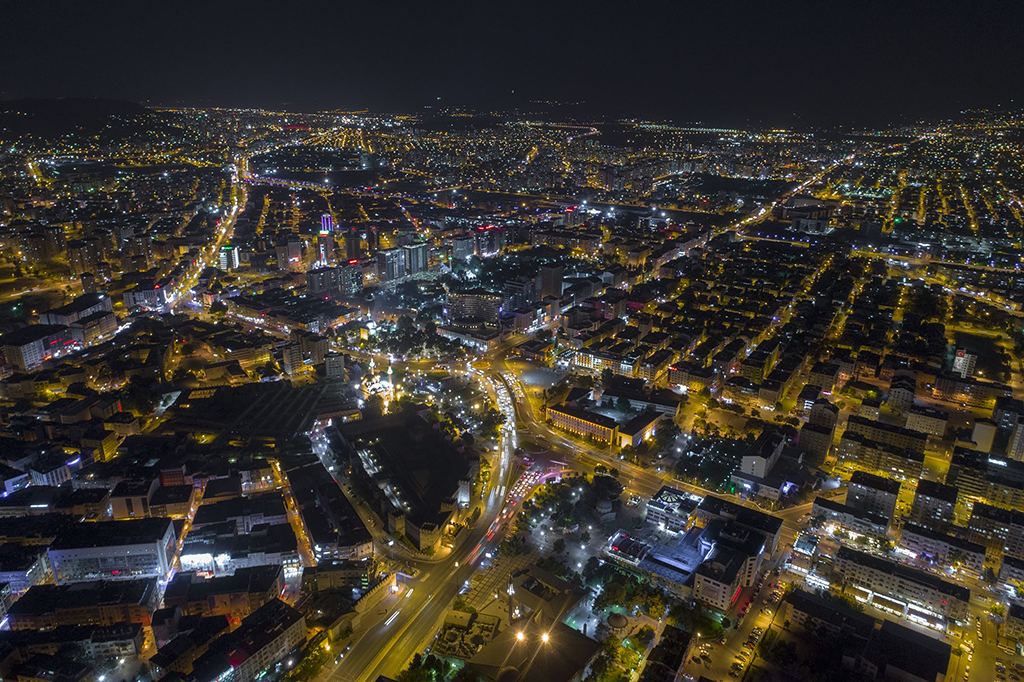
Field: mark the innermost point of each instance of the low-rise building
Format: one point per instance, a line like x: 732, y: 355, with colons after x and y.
x: 873, y: 494
x: 812, y: 612
x: 245, y: 512
x: 264, y: 638
x: 100, y: 602
x: 934, y: 505
x: 235, y: 596
x: 936, y: 549
x: 583, y: 422
x: 219, y: 549
x: 1000, y: 530
x: 670, y: 509
x: 114, y: 550
x: 906, y: 591
x: 849, y: 518
x: 860, y: 453
x: 895, y: 436
x: 927, y: 420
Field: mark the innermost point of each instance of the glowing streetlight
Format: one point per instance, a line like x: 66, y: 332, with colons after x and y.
x: 545, y: 637
x: 520, y: 636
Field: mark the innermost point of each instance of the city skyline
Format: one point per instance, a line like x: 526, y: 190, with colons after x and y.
x: 737, y: 64
x: 511, y: 343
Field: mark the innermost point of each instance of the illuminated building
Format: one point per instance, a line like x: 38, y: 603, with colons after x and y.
x: 415, y: 258
x: 228, y: 258
x: 114, y: 550
x: 1000, y: 530
x: 29, y: 347
x: 980, y: 477
x: 934, y: 505
x: 669, y: 509
x: 940, y: 550
x: 860, y: 453
x: 474, y: 304
x: 873, y: 494
x: 895, y: 436
x: 906, y: 591
x: 849, y: 518
x: 391, y: 263
x: 583, y: 422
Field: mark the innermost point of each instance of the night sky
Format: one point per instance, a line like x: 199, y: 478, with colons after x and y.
x: 785, y: 63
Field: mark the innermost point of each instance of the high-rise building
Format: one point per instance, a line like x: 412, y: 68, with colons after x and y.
x: 352, y: 243
x: 373, y: 240
x: 416, y: 258
x: 475, y: 304
x: 350, y: 279
x: 872, y: 493
x: 551, y: 280
x: 519, y: 293
x: 463, y: 248
x: 391, y: 264
x: 228, y: 258
x: 325, y: 248
x: 1015, y: 449
x: 964, y: 363
x: 489, y: 240
x: 141, y: 246
x: 55, y: 238
x: 326, y: 223
x: 345, y: 279
x: 934, y: 505
x: 85, y: 255
x: 289, y: 254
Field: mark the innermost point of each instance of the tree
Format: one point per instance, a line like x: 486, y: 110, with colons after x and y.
x: 559, y: 546
x: 606, y: 376
x: 614, y: 593
x: 374, y: 406
x: 668, y: 431
x: 623, y: 405
x: 645, y: 635
x: 466, y: 674
x: 585, y: 538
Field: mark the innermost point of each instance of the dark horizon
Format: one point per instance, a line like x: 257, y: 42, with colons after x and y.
x: 802, y: 66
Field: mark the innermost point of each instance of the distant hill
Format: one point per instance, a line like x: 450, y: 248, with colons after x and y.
x: 44, y: 118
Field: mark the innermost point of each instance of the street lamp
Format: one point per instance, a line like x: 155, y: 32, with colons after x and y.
x: 545, y: 637
x: 520, y: 636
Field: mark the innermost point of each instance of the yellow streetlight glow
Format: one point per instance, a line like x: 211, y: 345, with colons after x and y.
x: 520, y: 636
x: 544, y: 638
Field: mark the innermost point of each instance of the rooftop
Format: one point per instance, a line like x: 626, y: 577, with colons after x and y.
x: 904, y: 572
x: 113, y: 533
